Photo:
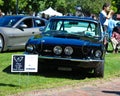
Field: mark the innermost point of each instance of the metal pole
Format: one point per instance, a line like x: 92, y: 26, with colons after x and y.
x: 16, y: 7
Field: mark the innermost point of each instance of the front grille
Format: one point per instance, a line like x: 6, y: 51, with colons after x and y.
x: 79, y: 52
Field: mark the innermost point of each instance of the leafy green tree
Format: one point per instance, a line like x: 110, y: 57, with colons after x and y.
x: 92, y: 6
x: 29, y: 6
x: 116, y: 5
x: 1, y: 2
x: 7, y: 7
x: 63, y: 6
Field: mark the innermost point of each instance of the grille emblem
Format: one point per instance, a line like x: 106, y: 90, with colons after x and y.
x: 47, y: 50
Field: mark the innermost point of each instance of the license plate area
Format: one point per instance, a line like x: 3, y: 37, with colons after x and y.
x: 64, y: 68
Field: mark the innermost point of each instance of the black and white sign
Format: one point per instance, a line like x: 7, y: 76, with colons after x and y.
x: 24, y: 63
x: 18, y: 63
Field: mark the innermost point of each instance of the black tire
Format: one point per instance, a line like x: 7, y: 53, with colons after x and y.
x: 1, y: 43
x: 99, y: 70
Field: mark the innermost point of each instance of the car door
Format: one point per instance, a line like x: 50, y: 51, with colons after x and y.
x: 20, y: 35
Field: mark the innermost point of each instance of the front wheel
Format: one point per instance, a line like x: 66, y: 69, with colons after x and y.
x: 1, y: 43
x: 99, y: 70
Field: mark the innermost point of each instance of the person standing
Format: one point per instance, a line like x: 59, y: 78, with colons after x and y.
x: 115, y: 39
x: 104, y: 15
x: 111, y: 25
x: 1, y: 13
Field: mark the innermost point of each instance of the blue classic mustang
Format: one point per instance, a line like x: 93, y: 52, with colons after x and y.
x: 70, y: 42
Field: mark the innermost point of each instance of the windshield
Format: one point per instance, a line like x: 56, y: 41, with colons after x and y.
x: 8, y: 21
x: 72, y: 27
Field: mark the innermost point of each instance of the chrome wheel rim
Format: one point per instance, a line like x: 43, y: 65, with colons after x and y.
x: 1, y: 43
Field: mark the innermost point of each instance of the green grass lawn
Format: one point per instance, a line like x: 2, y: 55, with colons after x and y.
x: 12, y: 83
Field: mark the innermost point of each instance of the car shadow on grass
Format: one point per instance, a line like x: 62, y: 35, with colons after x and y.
x: 10, y: 85
x: 54, y: 73
x: 13, y: 51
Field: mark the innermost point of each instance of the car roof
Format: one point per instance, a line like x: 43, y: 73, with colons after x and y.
x: 17, y: 16
x: 22, y: 16
x: 75, y: 18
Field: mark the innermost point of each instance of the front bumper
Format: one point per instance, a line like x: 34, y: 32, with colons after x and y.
x: 70, y: 59
x: 84, y: 63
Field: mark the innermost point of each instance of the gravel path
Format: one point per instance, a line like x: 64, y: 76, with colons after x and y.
x: 99, y: 88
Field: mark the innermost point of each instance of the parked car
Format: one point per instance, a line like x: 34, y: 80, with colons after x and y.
x: 69, y: 43
x: 15, y: 31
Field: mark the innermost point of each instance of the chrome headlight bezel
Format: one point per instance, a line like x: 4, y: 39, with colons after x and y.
x: 68, y: 50
x: 30, y: 48
x: 98, y: 53
x: 57, y: 50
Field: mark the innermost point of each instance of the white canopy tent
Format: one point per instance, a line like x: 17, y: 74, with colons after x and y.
x: 51, y: 12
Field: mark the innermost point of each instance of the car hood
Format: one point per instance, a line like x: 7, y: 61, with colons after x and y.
x: 62, y: 41
x: 2, y: 28
x: 6, y: 29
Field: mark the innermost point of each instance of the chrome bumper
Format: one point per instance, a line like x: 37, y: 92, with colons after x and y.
x: 70, y: 59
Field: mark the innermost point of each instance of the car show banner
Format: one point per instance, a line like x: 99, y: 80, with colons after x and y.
x: 24, y: 63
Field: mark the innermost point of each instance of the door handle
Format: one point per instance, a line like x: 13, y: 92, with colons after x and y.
x: 33, y: 32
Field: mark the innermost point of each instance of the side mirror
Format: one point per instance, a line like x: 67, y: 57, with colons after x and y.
x: 41, y: 29
x: 22, y: 26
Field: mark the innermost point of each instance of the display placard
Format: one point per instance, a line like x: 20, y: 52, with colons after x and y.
x: 24, y: 63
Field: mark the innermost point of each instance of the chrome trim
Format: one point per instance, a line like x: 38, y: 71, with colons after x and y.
x: 70, y: 59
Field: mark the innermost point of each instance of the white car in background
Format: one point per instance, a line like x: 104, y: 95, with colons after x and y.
x: 15, y: 30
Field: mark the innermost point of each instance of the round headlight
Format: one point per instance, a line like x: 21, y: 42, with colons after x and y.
x: 29, y: 48
x: 98, y: 53
x: 68, y: 50
x: 57, y: 50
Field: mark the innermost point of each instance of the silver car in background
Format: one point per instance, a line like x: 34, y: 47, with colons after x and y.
x: 15, y: 30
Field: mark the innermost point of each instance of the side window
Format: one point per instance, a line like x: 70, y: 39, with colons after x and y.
x: 59, y: 25
x: 28, y: 22
x: 39, y: 23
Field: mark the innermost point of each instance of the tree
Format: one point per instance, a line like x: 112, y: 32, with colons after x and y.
x: 8, y: 7
x: 116, y: 5
x: 1, y: 2
x: 30, y: 6
x: 63, y: 6
x: 92, y: 6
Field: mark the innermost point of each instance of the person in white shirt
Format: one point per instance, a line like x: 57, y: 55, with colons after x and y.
x: 104, y: 15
